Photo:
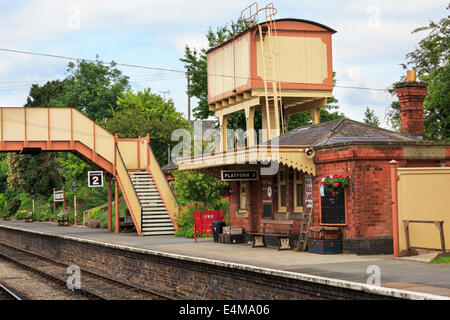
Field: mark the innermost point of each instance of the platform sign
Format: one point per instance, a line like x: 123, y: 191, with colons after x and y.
x: 239, y: 175
x: 95, y: 179
x: 58, y: 196
x: 203, y: 221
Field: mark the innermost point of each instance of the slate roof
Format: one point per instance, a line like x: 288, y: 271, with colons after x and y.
x: 171, y: 166
x: 341, y: 131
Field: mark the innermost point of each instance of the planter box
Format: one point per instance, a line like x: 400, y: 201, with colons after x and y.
x: 324, y: 233
x: 325, y: 246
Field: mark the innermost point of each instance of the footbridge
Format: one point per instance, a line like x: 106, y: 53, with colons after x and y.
x: 129, y: 163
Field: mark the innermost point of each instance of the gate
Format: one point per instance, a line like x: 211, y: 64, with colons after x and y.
x: 424, y: 199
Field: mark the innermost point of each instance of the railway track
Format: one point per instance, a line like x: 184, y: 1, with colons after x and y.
x: 8, y: 294
x: 92, y: 285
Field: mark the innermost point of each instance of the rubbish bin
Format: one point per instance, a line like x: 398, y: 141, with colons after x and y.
x: 217, y: 227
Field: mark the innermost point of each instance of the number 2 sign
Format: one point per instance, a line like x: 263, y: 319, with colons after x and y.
x: 95, y: 179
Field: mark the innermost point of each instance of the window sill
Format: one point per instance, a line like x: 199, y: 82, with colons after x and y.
x: 333, y: 224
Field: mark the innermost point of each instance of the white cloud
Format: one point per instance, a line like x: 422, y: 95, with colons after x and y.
x: 193, y: 40
x: 373, y: 38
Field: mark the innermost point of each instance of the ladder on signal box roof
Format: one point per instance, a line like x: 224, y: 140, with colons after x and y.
x: 304, y: 230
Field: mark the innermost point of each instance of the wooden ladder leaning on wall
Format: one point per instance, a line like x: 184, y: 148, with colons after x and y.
x: 304, y: 230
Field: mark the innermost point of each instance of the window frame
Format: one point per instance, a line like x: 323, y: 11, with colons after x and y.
x: 345, y: 209
x: 241, y: 194
x: 296, y: 182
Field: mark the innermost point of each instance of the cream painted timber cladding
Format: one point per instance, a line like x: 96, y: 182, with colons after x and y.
x: 300, y: 59
x: 36, y: 117
x: 423, y: 194
x: 127, y: 189
x: 163, y: 186
x: 13, y: 124
x: 128, y: 150
x: 229, y: 67
x: 62, y: 124
x: 292, y: 157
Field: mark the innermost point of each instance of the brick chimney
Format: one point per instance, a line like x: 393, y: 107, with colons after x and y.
x: 411, y: 94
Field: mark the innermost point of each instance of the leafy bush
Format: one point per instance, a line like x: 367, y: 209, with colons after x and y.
x: 13, y: 207
x: 43, y: 213
x: 193, y: 186
x: 20, y: 215
x: 195, y: 192
x: 189, y: 233
x: 185, y: 217
x: 2, y: 205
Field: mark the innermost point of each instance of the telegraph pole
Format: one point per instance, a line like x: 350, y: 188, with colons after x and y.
x: 189, y: 98
x: 164, y: 94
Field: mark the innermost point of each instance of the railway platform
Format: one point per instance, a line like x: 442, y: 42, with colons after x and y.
x: 417, y: 279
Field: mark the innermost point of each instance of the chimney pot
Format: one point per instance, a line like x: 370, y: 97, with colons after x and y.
x: 411, y: 75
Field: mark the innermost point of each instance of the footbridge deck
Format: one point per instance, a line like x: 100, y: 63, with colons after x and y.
x: 146, y: 191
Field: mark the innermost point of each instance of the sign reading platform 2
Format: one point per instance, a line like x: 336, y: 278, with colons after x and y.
x: 235, y: 175
x: 95, y: 179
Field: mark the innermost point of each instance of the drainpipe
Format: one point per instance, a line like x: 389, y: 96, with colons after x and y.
x: 394, y: 179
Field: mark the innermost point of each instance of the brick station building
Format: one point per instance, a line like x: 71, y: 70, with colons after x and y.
x: 343, y: 147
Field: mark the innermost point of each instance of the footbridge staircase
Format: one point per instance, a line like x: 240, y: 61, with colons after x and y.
x: 129, y: 162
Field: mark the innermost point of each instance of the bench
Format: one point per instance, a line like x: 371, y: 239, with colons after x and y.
x: 63, y: 218
x: 29, y: 217
x: 126, y: 223
x: 275, y: 228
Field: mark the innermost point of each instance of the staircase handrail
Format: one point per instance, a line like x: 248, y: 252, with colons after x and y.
x: 85, y: 212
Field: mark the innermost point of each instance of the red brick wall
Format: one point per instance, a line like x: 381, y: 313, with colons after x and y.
x: 411, y: 98
x: 368, y: 196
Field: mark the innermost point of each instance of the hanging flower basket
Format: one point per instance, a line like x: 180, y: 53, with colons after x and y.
x: 335, y: 184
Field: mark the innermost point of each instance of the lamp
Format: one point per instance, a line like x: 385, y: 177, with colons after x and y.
x: 32, y: 193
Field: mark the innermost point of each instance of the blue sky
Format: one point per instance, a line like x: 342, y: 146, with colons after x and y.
x: 372, y: 40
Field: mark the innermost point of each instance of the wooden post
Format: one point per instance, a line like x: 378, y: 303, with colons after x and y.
x: 109, y: 206
x: 440, y: 226
x: 408, y: 243
x: 116, y: 205
x: 394, y: 196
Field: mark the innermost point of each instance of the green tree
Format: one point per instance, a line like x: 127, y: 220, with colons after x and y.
x: 94, y: 88
x: 38, y: 173
x: 191, y: 186
x: 195, y: 64
x: 48, y: 95
x: 145, y: 112
x: 3, y: 172
x: 371, y: 118
x: 431, y: 61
